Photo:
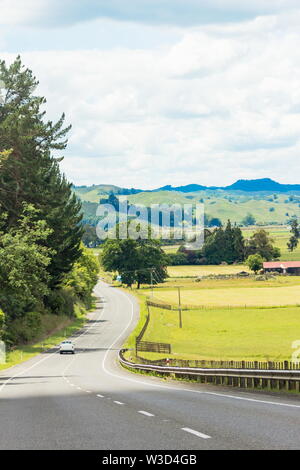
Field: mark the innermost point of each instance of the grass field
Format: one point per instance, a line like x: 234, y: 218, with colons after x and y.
x: 195, y: 271
x: 239, y: 296
x: 237, y: 334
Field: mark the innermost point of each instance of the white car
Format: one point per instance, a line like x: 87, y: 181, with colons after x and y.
x: 66, y: 347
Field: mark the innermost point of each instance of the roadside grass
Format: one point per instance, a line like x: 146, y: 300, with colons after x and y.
x: 56, y: 329
x: 130, y: 342
x: 232, y: 334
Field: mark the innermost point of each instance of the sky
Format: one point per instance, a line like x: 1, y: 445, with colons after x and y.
x: 166, y: 91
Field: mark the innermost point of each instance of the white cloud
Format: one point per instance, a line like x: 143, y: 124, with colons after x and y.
x: 220, y: 104
x: 22, y: 12
x: 172, y: 12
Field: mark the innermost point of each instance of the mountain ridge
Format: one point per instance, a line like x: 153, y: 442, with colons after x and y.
x: 252, y: 185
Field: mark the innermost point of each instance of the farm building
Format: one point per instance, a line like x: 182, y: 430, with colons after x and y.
x: 284, y: 267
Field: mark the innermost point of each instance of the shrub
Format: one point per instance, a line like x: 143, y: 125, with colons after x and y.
x: 255, y: 262
x: 177, y: 259
x: 25, y: 329
x: 61, y: 301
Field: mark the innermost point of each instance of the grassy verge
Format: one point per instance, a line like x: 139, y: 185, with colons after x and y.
x: 130, y: 343
x: 56, y: 329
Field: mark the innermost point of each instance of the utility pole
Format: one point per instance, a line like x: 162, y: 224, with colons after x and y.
x: 179, y: 308
x: 151, y: 273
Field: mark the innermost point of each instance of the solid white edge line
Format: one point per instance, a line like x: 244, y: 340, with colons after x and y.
x: 196, y: 433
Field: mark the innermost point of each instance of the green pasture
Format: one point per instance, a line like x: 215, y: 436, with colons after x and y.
x: 228, y: 334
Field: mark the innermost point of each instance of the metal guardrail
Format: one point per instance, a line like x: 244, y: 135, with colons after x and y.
x: 244, y: 378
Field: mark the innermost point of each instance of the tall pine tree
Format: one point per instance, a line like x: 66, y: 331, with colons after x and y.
x: 28, y: 171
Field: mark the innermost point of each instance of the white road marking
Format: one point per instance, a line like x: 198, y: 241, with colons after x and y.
x: 100, y: 396
x: 196, y: 433
x: 87, y: 391
x: 118, y: 402
x: 145, y: 413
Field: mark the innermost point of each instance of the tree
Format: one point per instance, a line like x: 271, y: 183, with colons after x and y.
x: 249, y: 219
x: 260, y: 243
x: 224, y: 245
x: 28, y: 171
x: 24, y: 260
x: 295, y: 235
x: 140, y: 261
x: 255, y: 262
x: 89, y: 236
x: 83, y: 276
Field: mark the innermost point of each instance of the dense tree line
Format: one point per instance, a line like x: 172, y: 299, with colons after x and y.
x: 41, y: 257
x: 227, y: 245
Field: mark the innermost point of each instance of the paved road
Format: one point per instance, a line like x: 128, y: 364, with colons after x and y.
x: 88, y: 401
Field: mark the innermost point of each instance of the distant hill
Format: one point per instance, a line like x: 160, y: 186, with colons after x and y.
x: 257, y: 185
x: 268, y: 201
x: 189, y: 188
x: 263, y: 184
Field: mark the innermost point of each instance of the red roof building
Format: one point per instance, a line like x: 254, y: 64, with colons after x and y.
x: 285, y: 267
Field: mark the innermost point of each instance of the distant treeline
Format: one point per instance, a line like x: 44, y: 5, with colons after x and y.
x: 227, y: 245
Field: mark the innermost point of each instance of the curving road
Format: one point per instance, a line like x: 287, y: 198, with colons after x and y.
x: 88, y: 401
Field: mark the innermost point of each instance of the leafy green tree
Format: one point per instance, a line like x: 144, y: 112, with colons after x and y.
x: 83, y: 276
x: 89, y: 236
x: 255, y: 262
x: 295, y: 235
x: 249, y: 219
x: 140, y: 261
x: 238, y: 244
x: 2, y: 323
x: 224, y: 245
x: 28, y: 171
x: 261, y: 243
x: 24, y: 261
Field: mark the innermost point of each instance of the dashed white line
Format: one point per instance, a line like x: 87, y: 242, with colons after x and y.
x: 88, y: 391
x: 118, y: 402
x: 100, y: 396
x: 196, y: 433
x: 145, y: 413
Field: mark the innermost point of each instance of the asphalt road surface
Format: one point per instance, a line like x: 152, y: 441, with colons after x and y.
x: 87, y: 401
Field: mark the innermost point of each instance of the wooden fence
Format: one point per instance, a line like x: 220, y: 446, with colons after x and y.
x: 148, y: 346
x: 163, y: 348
